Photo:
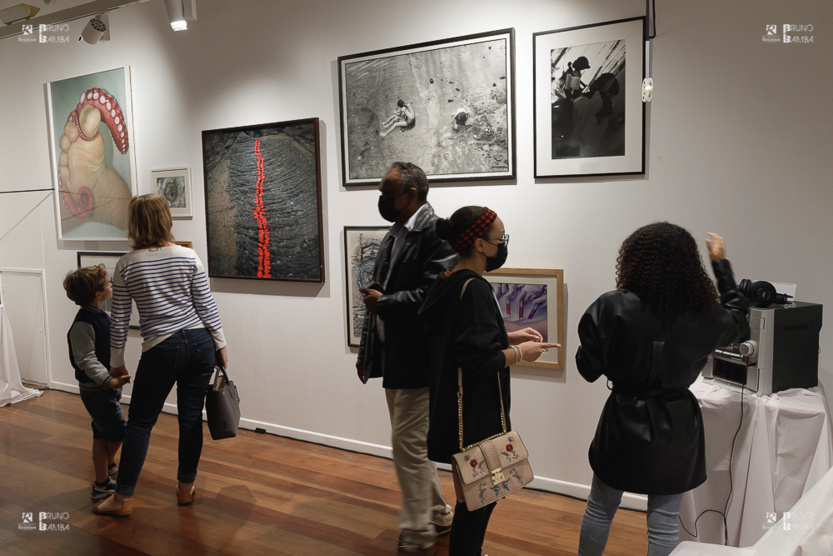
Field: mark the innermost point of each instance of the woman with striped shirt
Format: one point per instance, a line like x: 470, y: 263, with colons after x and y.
x: 182, y: 339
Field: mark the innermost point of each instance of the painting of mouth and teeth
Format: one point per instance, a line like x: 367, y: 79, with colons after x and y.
x: 263, y: 201
x: 93, y: 159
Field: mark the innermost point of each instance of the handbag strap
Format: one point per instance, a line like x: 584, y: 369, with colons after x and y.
x: 460, y: 400
x: 221, y: 371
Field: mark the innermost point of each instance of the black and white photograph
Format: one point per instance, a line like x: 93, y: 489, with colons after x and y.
x: 588, y: 106
x: 175, y: 186
x: 446, y: 105
x: 361, y: 245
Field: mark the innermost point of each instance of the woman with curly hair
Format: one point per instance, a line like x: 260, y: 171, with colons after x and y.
x: 651, y: 337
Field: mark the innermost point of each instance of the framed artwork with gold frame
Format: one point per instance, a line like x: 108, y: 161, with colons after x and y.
x: 533, y: 298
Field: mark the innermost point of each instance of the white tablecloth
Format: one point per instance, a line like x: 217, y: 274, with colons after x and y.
x: 806, y: 530
x: 783, y: 448
x: 11, y: 389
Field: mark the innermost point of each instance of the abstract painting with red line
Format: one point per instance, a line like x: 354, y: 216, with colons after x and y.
x: 263, y: 201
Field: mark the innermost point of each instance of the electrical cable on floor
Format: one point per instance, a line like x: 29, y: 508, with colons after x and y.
x: 731, y: 486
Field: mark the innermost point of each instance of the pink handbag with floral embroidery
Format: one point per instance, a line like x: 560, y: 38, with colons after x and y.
x: 491, y: 468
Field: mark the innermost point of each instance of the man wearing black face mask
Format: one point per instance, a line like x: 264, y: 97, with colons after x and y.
x: 393, y: 346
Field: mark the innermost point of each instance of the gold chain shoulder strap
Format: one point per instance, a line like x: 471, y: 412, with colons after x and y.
x: 460, y: 401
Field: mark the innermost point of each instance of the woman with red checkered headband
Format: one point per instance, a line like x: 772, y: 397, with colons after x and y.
x: 466, y: 331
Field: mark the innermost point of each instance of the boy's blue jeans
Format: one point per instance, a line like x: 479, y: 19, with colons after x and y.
x: 663, y: 513
x: 187, y: 358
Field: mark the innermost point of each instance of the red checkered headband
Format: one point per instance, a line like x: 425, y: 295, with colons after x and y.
x: 476, y: 230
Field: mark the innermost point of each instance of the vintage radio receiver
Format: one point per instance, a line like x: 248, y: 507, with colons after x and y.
x: 782, y: 351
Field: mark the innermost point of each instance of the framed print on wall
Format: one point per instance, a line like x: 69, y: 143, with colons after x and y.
x: 533, y: 298
x: 448, y: 106
x: 361, y: 244
x: 588, y: 110
x: 175, y: 186
x: 263, y: 201
x: 93, y: 154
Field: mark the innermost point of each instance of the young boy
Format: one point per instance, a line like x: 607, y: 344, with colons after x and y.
x: 89, y: 354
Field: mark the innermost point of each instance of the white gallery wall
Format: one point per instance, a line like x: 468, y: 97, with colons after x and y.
x: 739, y: 142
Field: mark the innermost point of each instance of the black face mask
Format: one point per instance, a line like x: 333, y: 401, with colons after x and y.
x: 494, y: 263
x: 386, y: 208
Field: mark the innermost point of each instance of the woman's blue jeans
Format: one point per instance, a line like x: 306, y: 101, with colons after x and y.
x: 187, y: 359
x: 663, y: 514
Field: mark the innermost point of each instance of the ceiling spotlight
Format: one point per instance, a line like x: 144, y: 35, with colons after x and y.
x: 180, y: 12
x: 21, y: 12
x: 97, y: 29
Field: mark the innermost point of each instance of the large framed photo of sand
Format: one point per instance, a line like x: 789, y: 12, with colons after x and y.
x: 93, y: 154
x: 448, y: 106
x: 533, y: 298
x: 588, y: 110
x: 263, y: 201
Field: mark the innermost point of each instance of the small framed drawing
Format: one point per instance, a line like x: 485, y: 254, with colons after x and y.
x: 361, y: 244
x: 188, y: 244
x: 451, y: 101
x: 109, y: 260
x: 588, y: 110
x: 533, y: 298
x: 175, y: 186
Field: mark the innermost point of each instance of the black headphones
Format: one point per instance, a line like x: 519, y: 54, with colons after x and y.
x: 762, y: 294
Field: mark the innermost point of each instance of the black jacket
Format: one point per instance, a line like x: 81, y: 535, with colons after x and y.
x: 421, y: 258
x: 650, y: 435
x: 467, y: 333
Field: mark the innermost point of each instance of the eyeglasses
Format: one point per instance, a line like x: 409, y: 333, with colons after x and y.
x: 503, y: 239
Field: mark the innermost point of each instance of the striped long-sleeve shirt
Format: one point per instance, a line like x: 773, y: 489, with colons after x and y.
x: 170, y: 288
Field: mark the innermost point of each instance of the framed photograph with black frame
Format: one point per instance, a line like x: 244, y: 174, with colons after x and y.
x: 448, y: 106
x: 109, y: 260
x: 588, y: 110
x: 263, y: 201
x: 533, y: 298
x: 361, y: 244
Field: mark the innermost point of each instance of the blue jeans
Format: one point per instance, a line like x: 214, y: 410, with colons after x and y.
x: 663, y: 513
x: 187, y: 359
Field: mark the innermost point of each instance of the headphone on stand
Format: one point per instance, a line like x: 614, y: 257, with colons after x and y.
x: 762, y: 294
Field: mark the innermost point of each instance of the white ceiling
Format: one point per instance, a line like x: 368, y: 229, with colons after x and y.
x: 45, y: 8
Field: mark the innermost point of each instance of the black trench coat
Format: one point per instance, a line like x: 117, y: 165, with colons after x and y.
x: 649, y: 438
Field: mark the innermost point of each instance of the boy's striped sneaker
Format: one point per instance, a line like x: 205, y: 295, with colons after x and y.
x: 101, y: 492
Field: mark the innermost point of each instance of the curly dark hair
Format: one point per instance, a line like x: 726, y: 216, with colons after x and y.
x: 660, y: 263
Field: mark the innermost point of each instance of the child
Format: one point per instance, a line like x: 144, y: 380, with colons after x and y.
x: 89, y: 354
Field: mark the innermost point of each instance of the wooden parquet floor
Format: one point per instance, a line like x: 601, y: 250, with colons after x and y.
x: 256, y: 494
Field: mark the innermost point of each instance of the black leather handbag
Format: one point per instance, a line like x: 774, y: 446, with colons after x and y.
x: 222, y: 405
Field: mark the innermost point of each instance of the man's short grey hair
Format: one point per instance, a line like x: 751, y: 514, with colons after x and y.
x: 412, y: 176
